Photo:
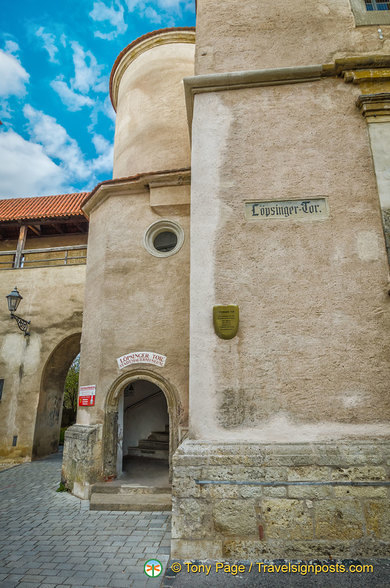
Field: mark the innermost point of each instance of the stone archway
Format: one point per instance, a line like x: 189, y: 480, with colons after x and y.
x: 48, y: 421
x: 110, y: 431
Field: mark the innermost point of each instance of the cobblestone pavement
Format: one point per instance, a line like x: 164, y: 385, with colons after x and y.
x: 50, y: 539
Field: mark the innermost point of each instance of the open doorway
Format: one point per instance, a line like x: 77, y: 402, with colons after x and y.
x: 143, y: 435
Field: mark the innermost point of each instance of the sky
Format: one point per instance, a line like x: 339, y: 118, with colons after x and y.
x: 56, y: 57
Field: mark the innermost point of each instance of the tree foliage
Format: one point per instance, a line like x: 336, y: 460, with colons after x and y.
x: 72, y: 385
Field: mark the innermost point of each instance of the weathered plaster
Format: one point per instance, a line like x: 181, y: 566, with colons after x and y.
x: 53, y: 301
x: 312, y: 296
x: 239, y: 36
x: 151, y: 131
x: 208, y: 142
x: 143, y: 305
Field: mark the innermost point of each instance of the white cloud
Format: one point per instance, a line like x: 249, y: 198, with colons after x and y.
x: 166, y: 5
x: 13, y: 76
x: 105, y: 151
x: 55, y: 153
x: 87, y: 78
x: 49, y: 43
x: 101, y: 107
x: 152, y: 15
x: 133, y: 4
x: 100, y: 143
x: 11, y: 47
x: 87, y: 70
x: 158, y: 11
x: 108, y: 14
x: 69, y: 97
x: 108, y: 109
x: 56, y: 143
x: 41, y: 176
x: 170, y: 4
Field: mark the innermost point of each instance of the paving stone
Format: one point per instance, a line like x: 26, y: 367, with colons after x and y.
x: 51, y: 539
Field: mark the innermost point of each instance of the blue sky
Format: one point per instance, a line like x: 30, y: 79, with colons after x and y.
x: 55, y: 63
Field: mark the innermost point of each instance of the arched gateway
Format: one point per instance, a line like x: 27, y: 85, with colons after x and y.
x: 140, y: 406
x: 48, y: 422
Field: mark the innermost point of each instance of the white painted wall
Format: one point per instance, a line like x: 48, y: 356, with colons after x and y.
x: 140, y: 421
x: 380, y: 141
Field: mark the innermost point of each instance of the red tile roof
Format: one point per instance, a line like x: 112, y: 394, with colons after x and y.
x: 42, y: 207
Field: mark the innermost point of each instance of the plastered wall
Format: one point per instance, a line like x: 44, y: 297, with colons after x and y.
x: 311, y: 358
x: 236, y: 35
x: 151, y: 130
x: 53, y: 302
x: 134, y: 301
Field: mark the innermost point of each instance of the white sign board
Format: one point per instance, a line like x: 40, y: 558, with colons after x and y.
x: 141, y: 357
x: 87, y: 395
x: 310, y: 209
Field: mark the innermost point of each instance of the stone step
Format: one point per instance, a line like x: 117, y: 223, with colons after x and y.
x: 120, y: 488
x: 151, y: 453
x: 152, y: 444
x: 142, y: 502
x: 159, y: 436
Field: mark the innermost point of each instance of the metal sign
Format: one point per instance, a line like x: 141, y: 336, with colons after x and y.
x: 302, y: 210
x: 226, y: 319
x: 87, y: 395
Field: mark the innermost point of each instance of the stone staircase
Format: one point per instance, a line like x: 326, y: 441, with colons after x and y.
x: 121, y: 496
x: 156, y: 446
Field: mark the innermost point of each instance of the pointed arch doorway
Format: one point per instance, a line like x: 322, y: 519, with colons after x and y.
x: 141, y: 428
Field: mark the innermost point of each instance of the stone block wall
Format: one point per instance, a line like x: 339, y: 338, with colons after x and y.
x: 286, y: 520
x: 81, y: 463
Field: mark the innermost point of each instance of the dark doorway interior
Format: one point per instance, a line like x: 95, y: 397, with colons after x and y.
x: 145, y: 435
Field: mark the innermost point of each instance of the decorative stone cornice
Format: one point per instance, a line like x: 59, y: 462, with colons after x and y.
x: 375, y: 107
x: 239, y: 80
x: 139, y: 46
x: 371, y: 72
x: 360, y: 62
x: 140, y: 183
x: 374, y: 83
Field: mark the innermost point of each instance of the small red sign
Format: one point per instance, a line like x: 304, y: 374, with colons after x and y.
x: 87, y: 395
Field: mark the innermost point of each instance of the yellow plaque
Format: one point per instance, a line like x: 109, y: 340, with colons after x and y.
x: 226, y: 319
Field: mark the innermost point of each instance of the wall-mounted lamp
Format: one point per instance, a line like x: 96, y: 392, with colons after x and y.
x: 13, y: 300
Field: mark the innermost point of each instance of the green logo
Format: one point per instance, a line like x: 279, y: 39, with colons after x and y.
x: 153, y: 568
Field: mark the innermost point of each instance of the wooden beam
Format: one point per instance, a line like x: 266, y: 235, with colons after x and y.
x: 35, y: 229
x: 47, y: 221
x: 58, y: 230
x: 80, y: 227
x: 20, y: 245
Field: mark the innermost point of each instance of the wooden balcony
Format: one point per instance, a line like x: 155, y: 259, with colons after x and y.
x: 48, y: 257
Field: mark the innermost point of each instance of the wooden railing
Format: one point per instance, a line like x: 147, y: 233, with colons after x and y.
x: 48, y: 257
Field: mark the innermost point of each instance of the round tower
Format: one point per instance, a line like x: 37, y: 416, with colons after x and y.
x: 146, y: 90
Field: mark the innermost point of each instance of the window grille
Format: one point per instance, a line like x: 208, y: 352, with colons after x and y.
x: 372, y: 5
x: 371, y: 12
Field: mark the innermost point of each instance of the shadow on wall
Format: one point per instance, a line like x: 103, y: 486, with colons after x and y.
x: 48, y: 422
